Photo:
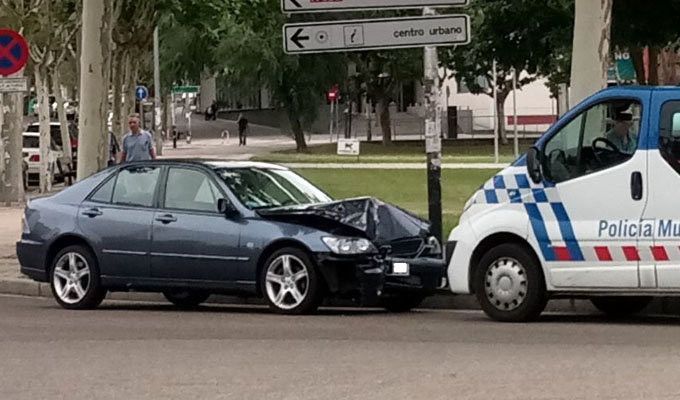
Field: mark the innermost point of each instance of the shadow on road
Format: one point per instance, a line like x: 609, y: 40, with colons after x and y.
x: 229, y: 309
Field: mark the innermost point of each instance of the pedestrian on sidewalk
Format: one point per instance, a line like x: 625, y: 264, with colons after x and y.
x: 242, y: 123
x: 137, y: 143
x: 174, y: 135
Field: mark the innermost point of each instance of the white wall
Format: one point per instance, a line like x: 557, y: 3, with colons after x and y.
x: 532, y: 99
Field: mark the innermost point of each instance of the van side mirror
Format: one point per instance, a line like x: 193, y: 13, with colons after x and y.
x: 225, y: 207
x: 534, y: 164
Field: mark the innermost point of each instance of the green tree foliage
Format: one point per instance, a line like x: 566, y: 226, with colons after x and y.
x: 523, y: 35
x: 638, y: 24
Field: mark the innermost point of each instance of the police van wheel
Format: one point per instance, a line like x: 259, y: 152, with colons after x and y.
x: 621, y: 306
x: 509, y: 284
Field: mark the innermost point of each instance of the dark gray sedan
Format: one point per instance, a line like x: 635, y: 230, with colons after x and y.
x: 189, y: 229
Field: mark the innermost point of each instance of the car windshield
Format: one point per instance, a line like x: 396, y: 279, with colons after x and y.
x: 259, y: 188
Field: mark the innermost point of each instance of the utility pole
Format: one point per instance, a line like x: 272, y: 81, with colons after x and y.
x: 496, y: 125
x: 514, y: 109
x: 433, y: 141
x: 157, y: 94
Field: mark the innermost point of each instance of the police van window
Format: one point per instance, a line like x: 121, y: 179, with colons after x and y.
x: 601, y: 137
x: 669, y: 134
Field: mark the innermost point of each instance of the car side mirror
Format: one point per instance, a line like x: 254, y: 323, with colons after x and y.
x: 534, y: 164
x: 225, y: 207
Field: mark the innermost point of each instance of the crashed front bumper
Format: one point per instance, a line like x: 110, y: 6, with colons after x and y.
x: 369, y: 278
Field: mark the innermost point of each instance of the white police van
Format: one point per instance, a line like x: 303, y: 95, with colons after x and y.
x: 590, y: 211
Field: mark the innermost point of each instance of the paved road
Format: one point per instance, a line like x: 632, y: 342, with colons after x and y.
x: 148, y: 351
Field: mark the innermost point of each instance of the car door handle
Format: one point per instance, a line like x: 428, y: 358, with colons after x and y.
x: 92, y: 212
x: 166, y: 219
x: 636, y: 186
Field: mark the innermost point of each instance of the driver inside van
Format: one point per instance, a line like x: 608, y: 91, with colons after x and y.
x: 620, y: 135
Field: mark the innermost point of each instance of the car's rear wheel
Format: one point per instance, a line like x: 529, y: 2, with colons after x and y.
x: 509, y: 284
x: 184, y: 298
x: 290, y: 282
x: 621, y: 306
x: 75, y: 279
x: 402, y: 303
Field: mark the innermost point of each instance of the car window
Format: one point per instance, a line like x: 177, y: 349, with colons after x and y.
x: 31, y: 142
x: 135, y: 186
x: 105, y: 192
x: 669, y: 134
x: 189, y: 189
x: 601, y: 137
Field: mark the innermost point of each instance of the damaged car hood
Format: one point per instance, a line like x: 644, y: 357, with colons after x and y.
x: 377, y: 221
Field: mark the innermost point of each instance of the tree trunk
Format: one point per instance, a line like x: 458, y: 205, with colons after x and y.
x: 63, y: 122
x: 42, y: 94
x: 653, y: 66
x: 3, y: 143
x: 117, y: 71
x: 590, y: 61
x: 385, y: 120
x: 169, y: 109
x: 94, y: 86
x: 298, y: 132
x: 12, y: 189
x: 129, y: 84
x: 500, y: 116
x: 638, y: 64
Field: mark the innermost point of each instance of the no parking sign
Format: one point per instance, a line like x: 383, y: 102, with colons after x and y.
x: 13, y: 52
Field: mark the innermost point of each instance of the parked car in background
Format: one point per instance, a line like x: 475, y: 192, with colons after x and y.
x: 192, y: 228
x: 31, y: 150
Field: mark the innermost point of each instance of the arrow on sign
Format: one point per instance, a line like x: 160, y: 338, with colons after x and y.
x: 297, y: 39
x: 297, y: 4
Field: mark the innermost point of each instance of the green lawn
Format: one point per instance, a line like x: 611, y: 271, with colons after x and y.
x: 405, y: 188
x: 403, y: 152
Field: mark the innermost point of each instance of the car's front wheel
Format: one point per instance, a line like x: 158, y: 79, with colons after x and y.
x: 186, y: 298
x: 290, y: 282
x: 75, y: 279
x: 509, y: 284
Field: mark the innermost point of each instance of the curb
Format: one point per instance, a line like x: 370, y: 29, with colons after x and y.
x: 443, y: 301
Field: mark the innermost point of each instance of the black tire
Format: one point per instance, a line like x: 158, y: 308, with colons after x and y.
x: 531, y: 297
x: 94, y: 292
x: 312, y: 286
x: 184, y: 298
x: 621, y: 306
x: 402, y: 303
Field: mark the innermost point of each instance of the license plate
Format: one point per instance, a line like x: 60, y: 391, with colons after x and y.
x: 400, y: 268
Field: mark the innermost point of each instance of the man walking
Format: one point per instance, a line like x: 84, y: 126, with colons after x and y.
x: 242, y: 129
x: 137, y: 144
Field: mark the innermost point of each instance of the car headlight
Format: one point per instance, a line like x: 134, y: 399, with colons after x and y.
x: 434, y: 245
x: 349, y: 246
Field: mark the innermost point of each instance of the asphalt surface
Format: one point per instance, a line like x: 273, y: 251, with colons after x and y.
x: 152, y: 351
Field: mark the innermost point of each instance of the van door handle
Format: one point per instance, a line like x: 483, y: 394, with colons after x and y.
x: 92, y: 212
x: 636, y: 186
x: 166, y: 219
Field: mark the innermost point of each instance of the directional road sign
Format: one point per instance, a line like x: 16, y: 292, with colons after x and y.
x: 186, y: 89
x: 375, y: 34
x: 13, y: 85
x: 293, y: 6
x: 142, y: 93
x: 13, y: 52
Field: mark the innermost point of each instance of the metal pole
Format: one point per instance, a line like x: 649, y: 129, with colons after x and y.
x: 331, y: 119
x: 157, y: 93
x: 495, y: 115
x: 514, y: 109
x: 433, y: 139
